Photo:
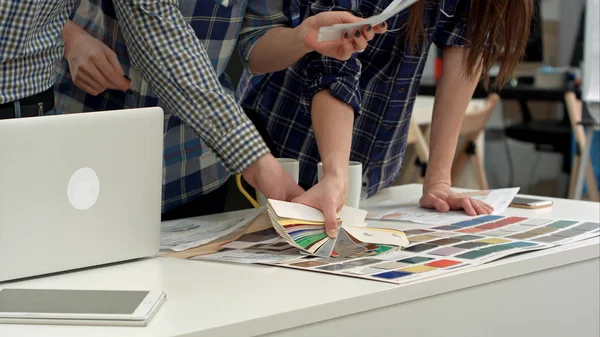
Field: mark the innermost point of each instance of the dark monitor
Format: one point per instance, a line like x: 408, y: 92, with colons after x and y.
x: 535, y: 47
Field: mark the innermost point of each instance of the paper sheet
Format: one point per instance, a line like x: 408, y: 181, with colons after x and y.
x: 179, y: 235
x: 247, y: 256
x: 336, y: 32
x: 432, y: 250
x: 411, y: 211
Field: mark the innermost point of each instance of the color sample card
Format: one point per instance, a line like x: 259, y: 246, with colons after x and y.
x: 303, y: 227
x: 429, y: 252
x: 447, y: 251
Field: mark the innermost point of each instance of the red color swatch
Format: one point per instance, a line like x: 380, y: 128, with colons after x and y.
x: 442, y: 263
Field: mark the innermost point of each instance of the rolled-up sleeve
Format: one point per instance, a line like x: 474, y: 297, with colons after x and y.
x: 455, y: 30
x: 340, y: 78
x: 166, y: 52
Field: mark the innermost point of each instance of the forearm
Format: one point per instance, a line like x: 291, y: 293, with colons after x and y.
x: 278, y: 49
x: 453, y: 94
x: 332, y: 121
x: 69, y: 32
x: 184, y: 79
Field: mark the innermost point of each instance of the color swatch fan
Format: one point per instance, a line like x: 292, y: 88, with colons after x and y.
x: 304, y: 227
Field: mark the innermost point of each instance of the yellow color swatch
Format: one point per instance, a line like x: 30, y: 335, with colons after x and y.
x: 418, y: 269
x: 285, y: 222
x: 493, y: 241
x: 421, y: 238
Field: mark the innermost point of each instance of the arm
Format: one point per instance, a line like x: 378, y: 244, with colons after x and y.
x: 332, y: 121
x: 448, y: 112
x: 268, y: 44
x: 454, y: 91
x: 278, y: 49
x: 165, y: 51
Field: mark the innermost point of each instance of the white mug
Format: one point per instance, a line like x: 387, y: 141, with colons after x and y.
x: 291, y: 166
x: 354, y: 182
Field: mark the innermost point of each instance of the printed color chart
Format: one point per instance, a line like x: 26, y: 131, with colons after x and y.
x: 447, y: 248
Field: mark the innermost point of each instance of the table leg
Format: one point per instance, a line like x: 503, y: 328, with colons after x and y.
x: 584, y: 158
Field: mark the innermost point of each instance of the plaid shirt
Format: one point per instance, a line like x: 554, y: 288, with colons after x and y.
x: 30, y: 46
x: 380, y: 83
x: 180, y: 60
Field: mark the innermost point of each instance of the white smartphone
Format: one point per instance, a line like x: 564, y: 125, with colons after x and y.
x: 530, y: 203
x: 79, y: 307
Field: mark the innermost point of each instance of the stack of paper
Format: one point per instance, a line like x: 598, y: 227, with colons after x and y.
x: 304, y: 227
x: 335, y: 32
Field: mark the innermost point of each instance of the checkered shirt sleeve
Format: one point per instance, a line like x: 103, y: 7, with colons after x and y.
x: 30, y: 45
x: 166, y: 51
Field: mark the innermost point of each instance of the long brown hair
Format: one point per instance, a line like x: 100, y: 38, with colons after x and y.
x: 498, y: 31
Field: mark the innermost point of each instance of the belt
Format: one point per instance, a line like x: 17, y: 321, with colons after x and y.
x: 32, y: 106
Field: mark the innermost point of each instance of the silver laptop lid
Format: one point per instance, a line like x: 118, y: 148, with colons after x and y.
x: 79, y: 190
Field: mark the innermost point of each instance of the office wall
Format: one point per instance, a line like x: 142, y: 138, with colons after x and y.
x: 536, y: 172
x: 570, y: 11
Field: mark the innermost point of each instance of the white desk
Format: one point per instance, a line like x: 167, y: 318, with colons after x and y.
x: 548, y: 293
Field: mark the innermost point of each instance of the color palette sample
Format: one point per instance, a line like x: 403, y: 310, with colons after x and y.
x: 303, y: 227
x: 443, y: 249
x: 439, y: 250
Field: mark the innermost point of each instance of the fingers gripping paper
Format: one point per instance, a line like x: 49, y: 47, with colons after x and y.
x: 336, y: 32
x: 304, y: 227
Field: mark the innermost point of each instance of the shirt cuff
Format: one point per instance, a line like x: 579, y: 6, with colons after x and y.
x: 453, y: 36
x: 343, y: 88
x: 241, y: 147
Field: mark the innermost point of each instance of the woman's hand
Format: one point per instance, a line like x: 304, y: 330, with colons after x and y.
x: 441, y: 197
x: 342, y: 49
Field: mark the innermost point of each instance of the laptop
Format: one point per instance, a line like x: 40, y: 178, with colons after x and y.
x: 79, y: 190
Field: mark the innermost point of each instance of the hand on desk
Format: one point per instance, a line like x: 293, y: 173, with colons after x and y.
x: 329, y: 196
x: 441, y: 197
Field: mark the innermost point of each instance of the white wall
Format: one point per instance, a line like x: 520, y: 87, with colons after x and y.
x: 570, y: 11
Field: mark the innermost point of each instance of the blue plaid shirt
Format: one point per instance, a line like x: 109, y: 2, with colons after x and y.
x: 30, y: 45
x: 190, y: 169
x: 380, y: 83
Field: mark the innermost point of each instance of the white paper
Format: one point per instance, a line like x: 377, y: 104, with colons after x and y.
x: 246, y: 256
x: 336, y: 32
x: 289, y: 210
x: 179, y: 235
x: 246, y: 245
x: 591, y: 56
x: 353, y: 216
x: 411, y: 211
x: 380, y: 236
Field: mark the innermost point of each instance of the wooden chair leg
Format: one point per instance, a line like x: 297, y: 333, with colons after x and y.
x: 573, y: 177
x: 458, y: 165
x: 408, y: 172
x: 479, y: 169
x: 592, y: 187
